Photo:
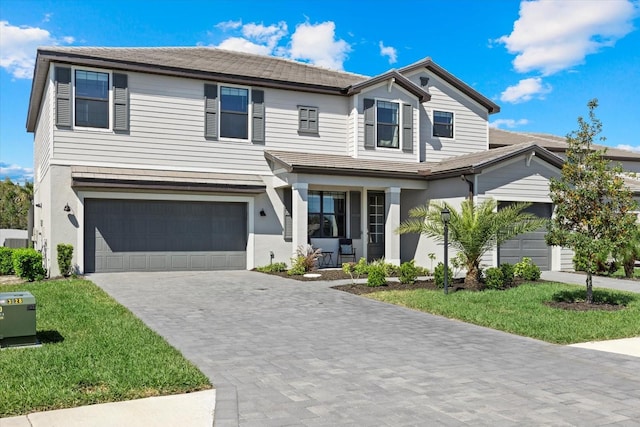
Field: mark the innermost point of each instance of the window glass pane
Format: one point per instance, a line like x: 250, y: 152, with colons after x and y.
x: 233, y: 125
x: 443, y: 124
x: 314, y: 225
x: 313, y: 201
x: 388, y: 136
x: 333, y: 202
x: 90, y: 84
x: 387, y: 112
x: 92, y: 113
x: 234, y: 99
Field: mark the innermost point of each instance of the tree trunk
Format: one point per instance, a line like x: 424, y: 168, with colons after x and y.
x: 628, y: 268
x: 589, y: 288
x: 472, y: 279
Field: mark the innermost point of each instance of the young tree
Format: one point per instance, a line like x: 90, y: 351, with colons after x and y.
x: 473, y: 230
x: 593, y: 206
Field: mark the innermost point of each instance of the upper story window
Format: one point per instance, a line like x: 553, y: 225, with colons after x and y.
x: 443, y: 124
x: 308, y: 119
x: 91, y: 99
x: 388, y: 124
x: 387, y: 115
x: 234, y: 112
x: 327, y: 212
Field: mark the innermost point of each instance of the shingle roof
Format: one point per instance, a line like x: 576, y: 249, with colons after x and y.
x: 557, y: 144
x: 225, y: 66
x: 345, y: 165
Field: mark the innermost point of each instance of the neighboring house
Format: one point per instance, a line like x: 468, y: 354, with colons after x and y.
x: 204, y: 159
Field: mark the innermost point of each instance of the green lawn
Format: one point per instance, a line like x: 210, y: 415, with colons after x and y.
x: 522, y: 311
x: 94, y: 350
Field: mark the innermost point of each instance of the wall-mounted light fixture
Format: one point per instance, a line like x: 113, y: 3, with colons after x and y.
x: 38, y: 205
x: 262, y: 212
x: 67, y: 208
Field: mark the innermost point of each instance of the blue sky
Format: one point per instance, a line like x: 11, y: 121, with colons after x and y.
x: 540, y: 60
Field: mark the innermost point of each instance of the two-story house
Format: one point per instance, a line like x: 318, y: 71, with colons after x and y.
x: 200, y: 158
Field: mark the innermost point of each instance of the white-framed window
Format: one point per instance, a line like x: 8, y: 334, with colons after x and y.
x: 234, y: 112
x: 443, y: 124
x: 387, y: 124
x: 91, y: 99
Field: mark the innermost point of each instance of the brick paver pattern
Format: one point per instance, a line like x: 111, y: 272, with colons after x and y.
x: 282, y: 352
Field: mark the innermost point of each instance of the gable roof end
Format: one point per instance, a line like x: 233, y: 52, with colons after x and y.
x: 401, y: 80
x: 454, y: 81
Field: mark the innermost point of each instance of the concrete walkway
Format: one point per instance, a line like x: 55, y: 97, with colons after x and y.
x: 282, y: 352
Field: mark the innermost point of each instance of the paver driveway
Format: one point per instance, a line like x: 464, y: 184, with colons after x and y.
x: 282, y: 352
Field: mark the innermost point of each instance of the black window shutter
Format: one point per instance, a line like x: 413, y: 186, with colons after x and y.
x: 355, y: 215
x: 211, y: 111
x: 407, y: 128
x: 63, y: 96
x: 257, y: 124
x: 287, y: 228
x: 369, y: 123
x: 120, y: 102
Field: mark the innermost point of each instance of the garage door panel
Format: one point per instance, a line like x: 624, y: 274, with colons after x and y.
x: 531, y: 245
x: 135, y: 235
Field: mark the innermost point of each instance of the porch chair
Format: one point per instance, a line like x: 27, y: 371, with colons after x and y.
x: 346, y: 250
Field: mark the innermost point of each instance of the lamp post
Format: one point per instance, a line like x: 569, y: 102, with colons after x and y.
x: 446, y: 216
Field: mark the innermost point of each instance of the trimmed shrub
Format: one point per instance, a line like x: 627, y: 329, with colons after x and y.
x: 298, y: 266
x: 438, y: 275
x: 276, y: 267
x: 65, y: 255
x: 409, y: 272
x: 361, y: 268
x: 508, y: 273
x: 527, y: 270
x: 27, y: 264
x: 6, y: 261
x: 376, y: 276
x: 494, y: 278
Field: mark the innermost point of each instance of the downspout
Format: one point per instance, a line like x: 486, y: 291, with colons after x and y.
x: 471, y: 187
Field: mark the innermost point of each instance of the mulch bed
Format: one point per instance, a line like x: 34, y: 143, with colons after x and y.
x: 457, y: 285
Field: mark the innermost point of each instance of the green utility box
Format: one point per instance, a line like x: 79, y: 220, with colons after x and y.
x: 17, y: 319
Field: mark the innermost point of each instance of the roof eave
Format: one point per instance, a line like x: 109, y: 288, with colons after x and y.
x: 401, y: 80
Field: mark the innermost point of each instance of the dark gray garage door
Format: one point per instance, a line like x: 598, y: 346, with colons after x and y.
x: 530, y: 245
x: 149, y: 235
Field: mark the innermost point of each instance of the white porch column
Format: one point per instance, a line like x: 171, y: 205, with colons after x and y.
x: 300, y: 220
x: 391, y: 239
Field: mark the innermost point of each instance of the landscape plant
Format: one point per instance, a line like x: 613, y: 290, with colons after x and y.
x: 409, y: 272
x: 6, y: 261
x: 473, y: 230
x: 629, y: 252
x: 65, y: 255
x: 276, y: 267
x: 27, y: 264
x: 508, y: 273
x: 377, y: 275
x: 494, y: 278
x: 438, y: 275
x: 593, y: 205
x: 306, y: 260
x: 526, y: 269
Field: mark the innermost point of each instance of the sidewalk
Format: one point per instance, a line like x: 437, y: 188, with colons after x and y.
x: 191, y: 409
x: 628, y: 346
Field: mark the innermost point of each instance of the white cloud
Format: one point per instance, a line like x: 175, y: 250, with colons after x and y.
x: 629, y: 147
x: 243, y: 45
x: 15, y: 172
x: 508, y: 123
x: 18, y: 47
x: 389, y: 51
x: 316, y: 43
x: 553, y: 35
x: 229, y: 25
x: 525, y: 90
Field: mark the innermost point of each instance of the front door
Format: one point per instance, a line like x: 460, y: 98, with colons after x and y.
x: 375, y: 226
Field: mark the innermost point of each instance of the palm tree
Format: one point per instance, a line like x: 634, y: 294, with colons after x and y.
x: 473, y: 230
x: 629, y: 252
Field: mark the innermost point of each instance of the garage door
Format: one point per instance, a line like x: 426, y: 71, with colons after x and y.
x: 530, y: 245
x: 149, y: 235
